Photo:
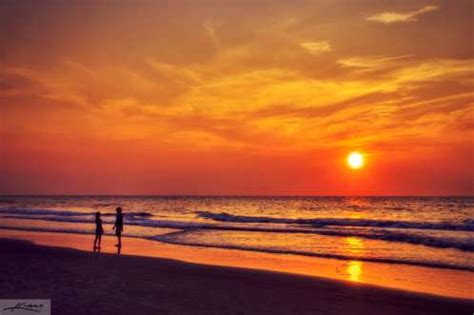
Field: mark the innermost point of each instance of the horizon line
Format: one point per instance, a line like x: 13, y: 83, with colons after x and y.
x: 225, y: 195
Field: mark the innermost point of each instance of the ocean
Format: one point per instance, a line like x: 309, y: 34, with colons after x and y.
x: 435, y: 232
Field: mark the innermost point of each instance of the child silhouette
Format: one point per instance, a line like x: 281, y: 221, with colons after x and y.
x: 99, y: 230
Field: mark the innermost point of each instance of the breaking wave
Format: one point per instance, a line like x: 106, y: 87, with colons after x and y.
x: 467, y: 225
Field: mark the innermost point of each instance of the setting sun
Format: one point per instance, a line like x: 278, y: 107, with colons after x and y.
x: 355, y: 160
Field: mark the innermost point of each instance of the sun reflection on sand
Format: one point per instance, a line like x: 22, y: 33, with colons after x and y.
x: 354, y: 270
x: 354, y: 267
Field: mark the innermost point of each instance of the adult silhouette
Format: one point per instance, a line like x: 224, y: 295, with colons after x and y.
x: 118, y: 226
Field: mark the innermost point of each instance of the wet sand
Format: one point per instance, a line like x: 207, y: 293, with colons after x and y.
x: 80, y: 282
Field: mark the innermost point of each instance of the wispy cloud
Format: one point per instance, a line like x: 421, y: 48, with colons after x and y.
x: 370, y: 62
x: 176, y: 73
x: 316, y: 48
x: 210, y: 31
x: 401, y: 17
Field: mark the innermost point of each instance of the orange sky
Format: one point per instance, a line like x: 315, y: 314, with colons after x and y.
x: 236, y: 97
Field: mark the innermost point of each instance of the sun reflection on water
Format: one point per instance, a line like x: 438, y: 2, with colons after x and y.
x: 354, y: 268
x: 354, y: 245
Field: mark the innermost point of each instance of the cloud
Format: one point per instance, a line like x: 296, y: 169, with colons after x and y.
x: 370, y: 62
x: 192, y: 103
x: 434, y: 70
x: 401, y: 17
x: 316, y: 48
x: 175, y: 73
x: 12, y: 84
x: 40, y: 84
x: 211, y: 32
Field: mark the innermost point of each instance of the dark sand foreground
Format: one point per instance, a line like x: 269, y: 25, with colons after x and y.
x: 80, y: 282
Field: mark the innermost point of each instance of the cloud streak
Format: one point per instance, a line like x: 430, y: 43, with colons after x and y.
x: 370, y: 62
x: 392, y: 17
x: 316, y: 48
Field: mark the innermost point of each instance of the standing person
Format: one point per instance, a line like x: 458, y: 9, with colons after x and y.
x: 118, y: 226
x: 99, y: 230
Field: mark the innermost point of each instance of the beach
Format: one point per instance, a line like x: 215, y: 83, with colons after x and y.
x: 416, y: 244
x: 81, y: 281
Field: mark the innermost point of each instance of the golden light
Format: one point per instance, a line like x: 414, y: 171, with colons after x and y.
x: 355, y: 160
x: 354, y: 245
x: 354, y: 270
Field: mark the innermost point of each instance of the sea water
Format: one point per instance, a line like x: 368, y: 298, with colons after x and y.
x: 436, y: 232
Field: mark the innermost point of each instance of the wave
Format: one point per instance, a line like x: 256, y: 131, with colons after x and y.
x: 396, y: 208
x: 44, y: 212
x: 168, y: 238
x: 467, y: 225
x: 103, y: 205
x: 383, y: 235
x: 65, y: 213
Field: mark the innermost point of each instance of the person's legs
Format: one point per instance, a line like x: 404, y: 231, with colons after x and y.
x: 95, y: 241
x: 100, y: 239
x: 119, y: 235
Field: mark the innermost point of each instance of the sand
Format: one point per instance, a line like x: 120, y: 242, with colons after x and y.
x: 80, y: 282
x: 442, y: 282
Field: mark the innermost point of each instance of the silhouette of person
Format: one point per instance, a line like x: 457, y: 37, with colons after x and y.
x: 118, y: 226
x: 99, y: 230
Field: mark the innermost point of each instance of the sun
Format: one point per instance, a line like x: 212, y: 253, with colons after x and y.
x: 355, y: 160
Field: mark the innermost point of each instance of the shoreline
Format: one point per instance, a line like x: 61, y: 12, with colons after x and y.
x: 412, y: 279
x: 77, y: 281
